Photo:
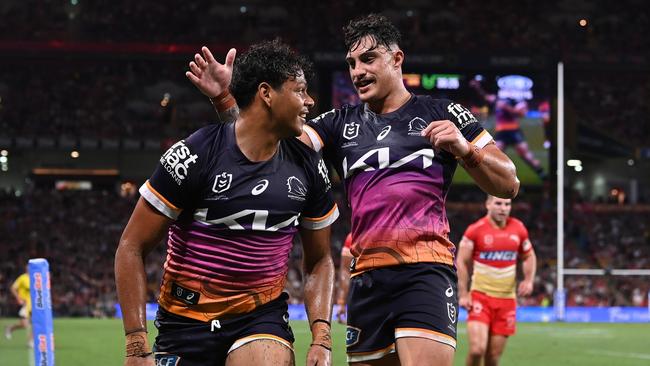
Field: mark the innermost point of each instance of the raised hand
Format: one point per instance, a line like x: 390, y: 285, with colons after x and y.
x: 208, y: 75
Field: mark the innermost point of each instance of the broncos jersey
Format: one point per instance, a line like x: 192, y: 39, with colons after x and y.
x: 229, y: 246
x: 495, y: 251
x: 396, y: 184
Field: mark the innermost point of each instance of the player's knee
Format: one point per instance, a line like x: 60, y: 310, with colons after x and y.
x: 477, y: 350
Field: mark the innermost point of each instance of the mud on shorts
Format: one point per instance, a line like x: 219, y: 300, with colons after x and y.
x: 413, y: 300
x: 183, y: 341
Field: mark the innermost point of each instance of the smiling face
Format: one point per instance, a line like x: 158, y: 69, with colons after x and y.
x: 375, y: 69
x: 498, y: 209
x: 291, y: 104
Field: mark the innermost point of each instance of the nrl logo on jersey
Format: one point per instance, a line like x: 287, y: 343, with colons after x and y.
x: 297, y: 190
x: 351, y: 130
x: 416, y: 125
x: 222, y: 182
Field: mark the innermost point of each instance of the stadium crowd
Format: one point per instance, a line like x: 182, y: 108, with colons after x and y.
x: 78, y: 231
x: 104, y: 95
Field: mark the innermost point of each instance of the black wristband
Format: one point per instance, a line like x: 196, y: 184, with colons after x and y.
x: 321, y: 321
x: 131, y: 331
x: 322, y: 345
x: 142, y: 355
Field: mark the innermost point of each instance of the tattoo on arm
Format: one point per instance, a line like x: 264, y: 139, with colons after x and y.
x: 229, y: 115
x: 136, y: 346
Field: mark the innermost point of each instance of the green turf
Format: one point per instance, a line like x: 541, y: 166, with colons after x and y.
x: 100, y: 342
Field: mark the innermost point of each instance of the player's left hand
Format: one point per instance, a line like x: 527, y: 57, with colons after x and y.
x: 210, y: 76
x: 525, y: 288
x: 446, y: 136
x: 319, y: 356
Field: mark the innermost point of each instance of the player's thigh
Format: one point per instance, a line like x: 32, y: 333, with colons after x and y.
x: 261, y: 352
x: 388, y: 360
x: 414, y: 351
x: 478, y: 333
x: 496, y: 345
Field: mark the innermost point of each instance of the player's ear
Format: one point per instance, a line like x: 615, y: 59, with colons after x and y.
x: 264, y: 91
x: 398, y: 59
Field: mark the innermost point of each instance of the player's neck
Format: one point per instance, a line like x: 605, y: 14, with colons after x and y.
x: 254, y: 141
x: 393, y: 101
x: 498, y: 224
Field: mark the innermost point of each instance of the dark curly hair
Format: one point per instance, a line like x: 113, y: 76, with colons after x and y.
x: 377, y: 26
x: 273, y: 62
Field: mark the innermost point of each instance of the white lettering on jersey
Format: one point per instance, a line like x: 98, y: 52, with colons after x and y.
x: 322, y: 170
x: 383, y: 159
x: 259, y: 220
x: 464, y: 116
x: 176, y: 161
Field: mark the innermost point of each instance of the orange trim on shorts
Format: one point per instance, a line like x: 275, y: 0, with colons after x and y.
x: 383, y: 350
x: 161, y: 197
x: 254, y: 337
x: 423, y: 330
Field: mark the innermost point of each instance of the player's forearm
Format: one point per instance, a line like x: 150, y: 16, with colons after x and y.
x: 319, y: 295
x: 495, y: 174
x: 131, y: 282
x: 229, y: 115
x: 529, y: 267
x: 463, y: 277
x: 344, y: 280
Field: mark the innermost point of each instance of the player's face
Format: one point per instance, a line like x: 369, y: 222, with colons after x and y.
x: 291, y: 112
x: 498, y: 209
x: 373, y: 69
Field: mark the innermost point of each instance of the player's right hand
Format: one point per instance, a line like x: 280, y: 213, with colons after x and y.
x: 138, y: 361
x: 465, y: 301
x: 210, y: 76
x: 319, y: 356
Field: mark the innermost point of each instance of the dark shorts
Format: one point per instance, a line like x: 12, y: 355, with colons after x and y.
x: 414, y: 300
x: 187, y: 342
x: 510, y: 137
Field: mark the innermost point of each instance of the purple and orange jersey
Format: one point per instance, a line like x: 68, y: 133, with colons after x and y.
x: 229, y: 245
x: 495, y: 253
x: 507, y: 113
x: 396, y: 184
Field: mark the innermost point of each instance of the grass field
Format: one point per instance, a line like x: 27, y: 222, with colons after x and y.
x: 100, y: 343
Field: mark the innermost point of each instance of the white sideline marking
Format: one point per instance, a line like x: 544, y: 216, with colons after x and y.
x: 642, y: 356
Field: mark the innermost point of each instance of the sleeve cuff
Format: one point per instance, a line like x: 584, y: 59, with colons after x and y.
x: 321, y: 222
x: 316, y: 141
x: 482, y: 139
x: 158, y: 201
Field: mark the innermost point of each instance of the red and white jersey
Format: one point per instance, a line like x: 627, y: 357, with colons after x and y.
x: 495, y: 251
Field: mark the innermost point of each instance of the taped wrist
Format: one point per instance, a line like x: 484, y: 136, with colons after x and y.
x: 223, y: 101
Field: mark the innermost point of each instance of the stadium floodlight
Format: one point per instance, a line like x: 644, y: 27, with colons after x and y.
x: 573, y: 162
